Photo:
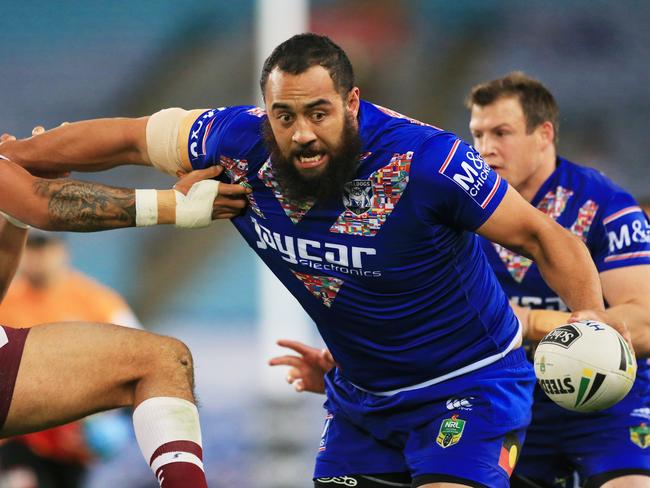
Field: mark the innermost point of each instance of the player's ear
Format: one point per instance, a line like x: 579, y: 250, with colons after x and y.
x: 546, y: 133
x: 353, y: 101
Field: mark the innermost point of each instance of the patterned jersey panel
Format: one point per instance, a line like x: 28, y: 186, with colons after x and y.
x: 589, y: 205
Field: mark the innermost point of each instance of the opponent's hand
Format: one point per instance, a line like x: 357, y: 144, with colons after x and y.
x: 307, y: 371
x: 231, y: 199
x: 603, y: 316
x: 39, y: 129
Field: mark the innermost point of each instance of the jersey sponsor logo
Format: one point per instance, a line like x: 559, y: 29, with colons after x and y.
x: 460, y: 403
x: 639, y: 435
x: 643, y: 412
x: 557, y: 386
x: 339, y: 480
x: 509, y: 454
x: 562, y: 336
x: 626, y: 228
x: 357, y: 196
x: 451, y: 430
x: 199, y: 133
x: 547, y: 303
x: 472, y: 174
x: 323, y: 256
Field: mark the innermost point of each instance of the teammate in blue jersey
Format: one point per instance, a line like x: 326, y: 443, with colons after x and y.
x: 369, y: 217
x: 514, y: 125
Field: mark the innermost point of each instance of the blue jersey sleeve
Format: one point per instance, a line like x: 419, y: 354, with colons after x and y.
x: 224, y: 136
x: 457, y: 187
x: 622, y: 237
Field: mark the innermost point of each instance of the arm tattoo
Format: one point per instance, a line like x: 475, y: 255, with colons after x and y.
x: 84, y: 207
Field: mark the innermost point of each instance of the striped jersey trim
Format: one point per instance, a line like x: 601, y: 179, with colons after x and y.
x: 464, y: 370
x: 627, y: 255
x: 492, y: 193
x: 621, y: 213
x: 450, y: 156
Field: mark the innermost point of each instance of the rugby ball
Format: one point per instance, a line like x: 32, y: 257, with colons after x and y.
x: 584, y: 366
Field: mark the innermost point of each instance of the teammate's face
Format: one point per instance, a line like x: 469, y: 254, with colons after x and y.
x: 500, y: 136
x: 314, y: 133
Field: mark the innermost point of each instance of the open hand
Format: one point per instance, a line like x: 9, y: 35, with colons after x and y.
x: 603, y: 316
x: 307, y: 370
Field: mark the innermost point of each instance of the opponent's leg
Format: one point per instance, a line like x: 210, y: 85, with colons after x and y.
x: 70, y: 370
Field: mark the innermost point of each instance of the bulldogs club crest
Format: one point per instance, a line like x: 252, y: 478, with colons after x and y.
x: 357, y: 196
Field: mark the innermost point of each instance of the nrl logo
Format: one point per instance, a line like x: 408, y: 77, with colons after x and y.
x: 357, y: 196
x: 639, y: 435
x: 451, y: 430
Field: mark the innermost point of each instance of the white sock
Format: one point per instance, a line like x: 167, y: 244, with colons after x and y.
x: 167, y: 430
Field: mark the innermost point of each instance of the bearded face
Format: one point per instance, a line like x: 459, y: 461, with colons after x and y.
x: 327, y: 182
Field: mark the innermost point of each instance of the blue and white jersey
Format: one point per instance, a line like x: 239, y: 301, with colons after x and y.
x: 392, y: 274
x: 602, y: 214
x: 587, y: 203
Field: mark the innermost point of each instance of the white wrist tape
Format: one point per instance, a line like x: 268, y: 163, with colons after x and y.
x: 146, y: 207
x: 195, y: 209
x: 13, y: 221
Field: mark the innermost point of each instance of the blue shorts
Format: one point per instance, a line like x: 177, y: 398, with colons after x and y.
x: 617, y: 439
x: 466, y: 428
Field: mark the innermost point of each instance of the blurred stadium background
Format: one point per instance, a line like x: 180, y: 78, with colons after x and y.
x: 72, y: 59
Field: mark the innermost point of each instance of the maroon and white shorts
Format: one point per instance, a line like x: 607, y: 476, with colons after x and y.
x: 12, y: 342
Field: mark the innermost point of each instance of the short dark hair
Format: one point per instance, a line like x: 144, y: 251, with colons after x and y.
x: 536, y: 101
x: 299, y: 53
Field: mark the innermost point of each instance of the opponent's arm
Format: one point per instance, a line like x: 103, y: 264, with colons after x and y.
x: 12, y: 241
x: 563, y: 260
x: 80, y: 206
x: 100, y: 144
x: 90, y: 145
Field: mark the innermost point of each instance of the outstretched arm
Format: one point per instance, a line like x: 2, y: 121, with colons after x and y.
x: 73, y: 205
x: 563, y: 260
x: 90, y: 145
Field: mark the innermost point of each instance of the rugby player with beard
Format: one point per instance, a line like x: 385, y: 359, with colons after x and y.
x: 400, y: 291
